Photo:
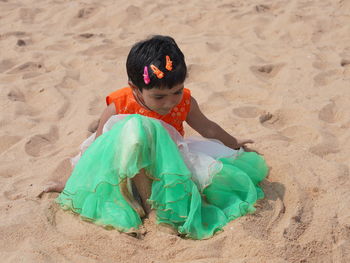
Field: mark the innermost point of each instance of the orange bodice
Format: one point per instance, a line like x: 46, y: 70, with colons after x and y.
x: 125, y: 103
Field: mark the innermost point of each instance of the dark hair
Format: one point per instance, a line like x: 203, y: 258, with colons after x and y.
x: 153, y: 51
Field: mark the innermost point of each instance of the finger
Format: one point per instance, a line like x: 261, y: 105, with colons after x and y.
x: 247, y: 141
x: 247, y: 149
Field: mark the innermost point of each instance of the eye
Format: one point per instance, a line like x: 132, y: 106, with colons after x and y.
x: 178, y: 92
x: 159, y: 97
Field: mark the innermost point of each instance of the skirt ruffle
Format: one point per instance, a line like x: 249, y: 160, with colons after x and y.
x: 194, y: 191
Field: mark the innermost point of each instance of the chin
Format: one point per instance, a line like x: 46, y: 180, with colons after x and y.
x: 164, y: 112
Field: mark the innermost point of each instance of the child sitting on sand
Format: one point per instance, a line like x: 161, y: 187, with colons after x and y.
x: 196, y: 186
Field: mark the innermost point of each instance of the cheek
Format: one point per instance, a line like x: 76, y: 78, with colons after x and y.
x: 153, y: 103
x: 178, y: 99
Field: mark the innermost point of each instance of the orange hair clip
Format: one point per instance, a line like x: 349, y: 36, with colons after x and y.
x: 169, y: 63
x: 158, y: 72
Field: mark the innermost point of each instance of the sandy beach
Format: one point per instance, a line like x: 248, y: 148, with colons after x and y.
x: 277, y: 72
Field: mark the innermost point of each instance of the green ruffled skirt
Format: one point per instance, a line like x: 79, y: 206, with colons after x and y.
x: 137, y: 142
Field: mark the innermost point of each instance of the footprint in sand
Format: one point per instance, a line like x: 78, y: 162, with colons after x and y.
x: 273, y: 121
x: 324, y: 149
x: 116, y: 53
x: 276, y: 137
x: 97, y: 50
x: 27, y: 15
x: 14, y: 34
x: 16, y: 95
x: 262, y: 8
x: 301, y: 219
x: 343, y: 173
x: 300, y: 133
x: 65, y: 102
x: 84, y: 14
x: 287, y: 210
x: 18, y: 189
x: 247, y: 112
x: 21, y: 43
x: 70, y: 80
x: 328, y: 113
x: 73, y: 74
x: 133, y: 13
x: 324, y: 78
x: 320, y: 65
x: 41, y: 143
x: 340, y: 238
x: 6, y: 64
x: 13, y: 195
x: 328, y: 145
x: 284, y: 119
x: 87, y: 12
x: 265, y: 117
x: 266, y: 71
x: 6, y: 141
x: 10, y: 171
x: 269, y: 211
x: 212, y: 46
x: 94, y: 106
x: 86, y: 35
x: 345, y: 62
x: 27, y: 67
x: 262, y: 25
x: 197, y: 72
x: 216, y: 102
x: 50, y: 212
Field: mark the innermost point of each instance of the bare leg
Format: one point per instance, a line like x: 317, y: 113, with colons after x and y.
x: 53, y: 186
x: 124, y: 190
x: 58, y: 179
x: 144, y: 187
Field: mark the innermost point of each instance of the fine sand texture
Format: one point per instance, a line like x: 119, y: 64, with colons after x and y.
x: 277, y: 72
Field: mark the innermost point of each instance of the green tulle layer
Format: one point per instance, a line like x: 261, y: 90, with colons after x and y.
x: 138, y: 142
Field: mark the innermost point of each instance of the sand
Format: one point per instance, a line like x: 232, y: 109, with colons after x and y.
x: 277, y: 72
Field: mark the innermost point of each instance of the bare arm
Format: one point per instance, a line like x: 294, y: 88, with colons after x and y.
x: 106, y: 114
x: 209, y: 129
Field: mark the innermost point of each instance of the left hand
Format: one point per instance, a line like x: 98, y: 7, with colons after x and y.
x: 243, y: 142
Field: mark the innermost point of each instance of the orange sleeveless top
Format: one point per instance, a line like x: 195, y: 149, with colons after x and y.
x: 125, y: 103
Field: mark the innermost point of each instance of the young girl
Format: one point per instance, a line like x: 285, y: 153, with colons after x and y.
x: 196, y: 186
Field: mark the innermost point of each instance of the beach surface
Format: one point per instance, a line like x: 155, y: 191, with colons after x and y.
x: 277, y: 72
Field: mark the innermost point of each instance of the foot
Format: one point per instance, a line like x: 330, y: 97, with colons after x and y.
x: 137, y: 233
x: 52, y: 186
x: 162, y: 227
x: 146, y: 207
x: 166, y: 228
x: 130, y: 199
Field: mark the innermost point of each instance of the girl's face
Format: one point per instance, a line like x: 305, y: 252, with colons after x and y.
x: 161, y: 100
